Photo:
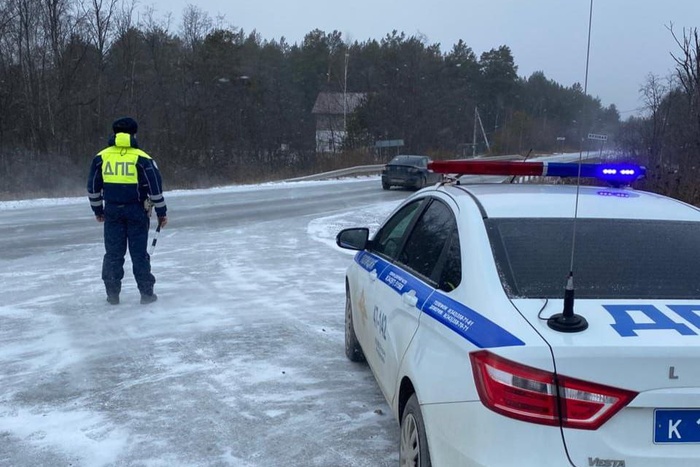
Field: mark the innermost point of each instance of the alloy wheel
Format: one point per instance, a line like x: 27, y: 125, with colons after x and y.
x: 409, y: 451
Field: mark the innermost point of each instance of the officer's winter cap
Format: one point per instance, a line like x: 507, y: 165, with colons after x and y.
x: 125, y: 125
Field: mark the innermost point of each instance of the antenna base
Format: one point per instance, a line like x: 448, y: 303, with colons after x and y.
x: 563, y: 323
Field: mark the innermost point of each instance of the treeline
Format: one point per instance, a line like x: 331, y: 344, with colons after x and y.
x: 218, y: 105
x: 667, y: 138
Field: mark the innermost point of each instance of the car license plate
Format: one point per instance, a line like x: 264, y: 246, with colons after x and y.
x: 676, y: 426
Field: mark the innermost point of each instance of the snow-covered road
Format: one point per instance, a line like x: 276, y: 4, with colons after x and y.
x: 239, y: 363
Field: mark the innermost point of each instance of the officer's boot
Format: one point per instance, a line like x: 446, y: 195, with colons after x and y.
x: 113, y: 293
x: 147, y: 296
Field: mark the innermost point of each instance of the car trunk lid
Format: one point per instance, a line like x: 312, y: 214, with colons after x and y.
x: 397, y: 169
x: 651, y: 348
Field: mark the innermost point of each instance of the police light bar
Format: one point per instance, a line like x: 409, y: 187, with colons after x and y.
x: 613, y: 173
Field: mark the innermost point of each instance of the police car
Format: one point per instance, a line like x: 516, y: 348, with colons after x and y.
x: 531, y: 324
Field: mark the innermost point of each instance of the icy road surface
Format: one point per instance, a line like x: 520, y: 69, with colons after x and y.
x: 239, y: 363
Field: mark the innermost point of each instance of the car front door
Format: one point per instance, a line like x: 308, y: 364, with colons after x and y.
x: 370, y: 327
x: 405, y: 285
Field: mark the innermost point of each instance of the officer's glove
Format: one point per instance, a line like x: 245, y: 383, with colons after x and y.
x: 148, y: 206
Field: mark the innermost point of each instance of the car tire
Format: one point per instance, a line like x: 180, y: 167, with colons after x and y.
x: 386, y: 186
x: 352, y: 346
x: 413, y: 448
x: 421, y: 183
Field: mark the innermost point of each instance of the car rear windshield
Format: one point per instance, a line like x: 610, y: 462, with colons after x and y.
x: 613, y: 258
x: 418, y: 161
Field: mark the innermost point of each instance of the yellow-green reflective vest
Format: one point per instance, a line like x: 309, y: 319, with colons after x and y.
x: 119, y: 161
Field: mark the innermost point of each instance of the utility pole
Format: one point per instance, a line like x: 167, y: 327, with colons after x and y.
x: 345, y: 97
x: 477, y: 119
x: 476, y: 115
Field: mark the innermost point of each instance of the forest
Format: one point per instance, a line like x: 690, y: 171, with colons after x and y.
x: 218, y: 105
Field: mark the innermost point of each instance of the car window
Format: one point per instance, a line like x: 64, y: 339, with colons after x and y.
x: 416, y: 161
x: 388, y: 239
x: 427, y: 240
x: 613, y: 258
x: 451, y: 272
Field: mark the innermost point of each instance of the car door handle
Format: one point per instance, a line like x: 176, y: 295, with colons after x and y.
x: 373, y: 275
x: 409, y: 298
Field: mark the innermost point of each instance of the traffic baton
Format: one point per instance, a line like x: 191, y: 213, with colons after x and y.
x: 155, y: 239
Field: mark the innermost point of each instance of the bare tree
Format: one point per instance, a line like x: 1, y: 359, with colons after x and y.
x: 688, y: 72
x: 54, y: 15
x: 654, y: 92
x: 129, y: 38
x: 196, y: 24
x: 8, y: 55
x: 98, y: 18
x: 27, y: 34
x: 57, y: 26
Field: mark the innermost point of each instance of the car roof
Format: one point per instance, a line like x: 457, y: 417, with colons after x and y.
x: 559, y: 201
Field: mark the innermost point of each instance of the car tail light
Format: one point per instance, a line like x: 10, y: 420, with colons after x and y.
x: 538, y: 396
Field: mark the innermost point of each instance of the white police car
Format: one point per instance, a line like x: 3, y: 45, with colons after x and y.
x: 462, y: 304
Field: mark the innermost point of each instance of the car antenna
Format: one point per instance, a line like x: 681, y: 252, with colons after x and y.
x: 568, y: 320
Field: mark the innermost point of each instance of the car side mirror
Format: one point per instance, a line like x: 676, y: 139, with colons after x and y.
x: 353, y: 239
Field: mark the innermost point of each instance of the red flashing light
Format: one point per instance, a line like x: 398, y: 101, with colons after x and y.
x: 538, y: 396
x: 487, y: 167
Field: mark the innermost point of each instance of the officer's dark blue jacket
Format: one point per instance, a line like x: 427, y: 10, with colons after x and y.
x: 124, y: 174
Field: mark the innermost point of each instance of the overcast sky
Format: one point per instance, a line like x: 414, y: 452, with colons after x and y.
x: 629, y: 38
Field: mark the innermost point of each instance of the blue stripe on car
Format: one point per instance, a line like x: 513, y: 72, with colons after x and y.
x: 461, y: 319
x: 469, y: 324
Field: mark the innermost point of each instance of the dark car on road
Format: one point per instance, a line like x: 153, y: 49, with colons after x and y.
x: 409, y: 171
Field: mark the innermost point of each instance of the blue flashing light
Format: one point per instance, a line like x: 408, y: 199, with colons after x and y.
x: 618, y: 174
x: 621, y: 173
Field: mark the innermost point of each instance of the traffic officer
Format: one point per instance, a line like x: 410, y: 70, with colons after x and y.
x: 128, y: 181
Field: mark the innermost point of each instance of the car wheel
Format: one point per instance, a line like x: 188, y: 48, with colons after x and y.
x: 386, y: 186
x: 421, y: 183
x: 352, y: 346
x: 413, y: 450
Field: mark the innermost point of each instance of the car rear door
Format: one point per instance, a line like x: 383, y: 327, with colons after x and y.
x: 406, y: 284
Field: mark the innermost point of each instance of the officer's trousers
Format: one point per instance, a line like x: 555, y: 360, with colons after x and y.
x: 126, y: 224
